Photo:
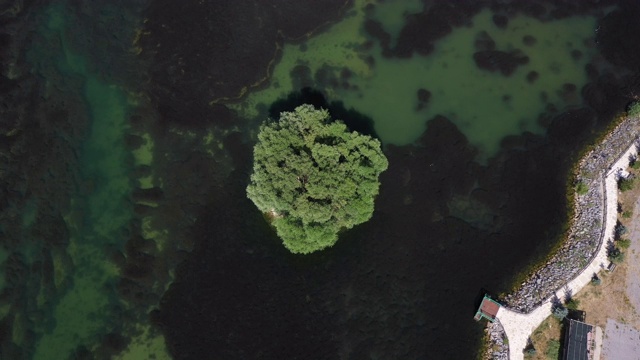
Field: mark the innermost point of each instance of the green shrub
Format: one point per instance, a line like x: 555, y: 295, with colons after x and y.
x: 595, y: 280
x: 619, y: 230
x: 624, y: 243
x: 627, y: 214
x: 616, y: 255
x: 553, y: 349
x: 625, y: 184
x: 635, y: 164
x: 573, y: 304
x: 633, y: 109
x: 560, y: 312
x: 530, y: 352
x: 581, y: 188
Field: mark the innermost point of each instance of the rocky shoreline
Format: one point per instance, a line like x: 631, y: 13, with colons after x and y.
x: 586, y: 233
x: 498, y: 348
x: 584, y: 238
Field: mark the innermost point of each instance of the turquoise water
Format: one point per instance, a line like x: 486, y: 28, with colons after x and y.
x: 485, y: 106
x: 98, y: 213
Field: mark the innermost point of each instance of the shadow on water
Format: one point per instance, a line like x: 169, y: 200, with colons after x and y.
x: 354, y: 120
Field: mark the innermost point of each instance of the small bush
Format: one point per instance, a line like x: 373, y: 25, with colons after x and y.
x: 560, y: 312
x: 595, y: 280
x: 626, y: 184
x: 616, y: 256
x: 581, y: 188
x: 530, y: 352
x: 627, y: 214
x: 635, y: 164
x: 624, y: 243
x: 633, y: 109
x: 573, y: 304
x: 553, y: 349
x: 619, y: 230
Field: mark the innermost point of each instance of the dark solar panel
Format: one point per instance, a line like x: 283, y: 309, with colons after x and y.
x: 576, y: 341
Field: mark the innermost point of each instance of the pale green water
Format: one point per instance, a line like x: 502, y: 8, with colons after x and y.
x: 391, y: 15
x: 472, y: 98
x: 96, y: 219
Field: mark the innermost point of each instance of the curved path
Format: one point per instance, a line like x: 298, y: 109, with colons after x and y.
x: 518, y: 326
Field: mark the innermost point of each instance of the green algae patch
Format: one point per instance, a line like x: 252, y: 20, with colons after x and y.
x: 144, y: 154
x: 147, y: 345
x: 486, y: 106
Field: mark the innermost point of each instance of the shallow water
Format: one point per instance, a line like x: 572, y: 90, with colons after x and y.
x: 486, y: 106
x: 98, y: 214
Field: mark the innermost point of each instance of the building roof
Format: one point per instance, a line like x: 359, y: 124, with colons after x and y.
x: 488, y: 309
x: 577, y: 341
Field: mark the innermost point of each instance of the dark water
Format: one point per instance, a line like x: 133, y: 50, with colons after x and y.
x: 127, y: 131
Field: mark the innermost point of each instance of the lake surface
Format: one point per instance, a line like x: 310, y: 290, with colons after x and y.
x: 128, y: 130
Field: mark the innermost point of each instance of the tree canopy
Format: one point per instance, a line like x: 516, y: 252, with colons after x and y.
x: 313, y: 177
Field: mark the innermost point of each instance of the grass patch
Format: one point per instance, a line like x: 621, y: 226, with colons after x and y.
x: 581, y: 188
x: 573, y: 304
x: 624, y: 243
x: 553, y: 349
x: 543, y: 337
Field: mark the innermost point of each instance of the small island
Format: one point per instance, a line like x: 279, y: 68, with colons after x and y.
x: 313, y: 178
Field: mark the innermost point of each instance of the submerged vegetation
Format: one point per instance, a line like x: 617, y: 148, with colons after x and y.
x: 314, y: 177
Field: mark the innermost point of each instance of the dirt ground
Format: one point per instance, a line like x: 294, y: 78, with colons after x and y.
x: 617, y: 297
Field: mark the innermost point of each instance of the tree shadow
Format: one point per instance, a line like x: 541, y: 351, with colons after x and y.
x: 556, y: 303
x: 612, y: 250
x: 568, y: 295
x: 354, y: 120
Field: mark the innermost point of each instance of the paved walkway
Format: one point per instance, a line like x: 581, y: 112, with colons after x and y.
x: 519, y: 327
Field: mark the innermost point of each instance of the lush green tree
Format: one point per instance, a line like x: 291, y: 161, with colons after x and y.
x: 312, y: 177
